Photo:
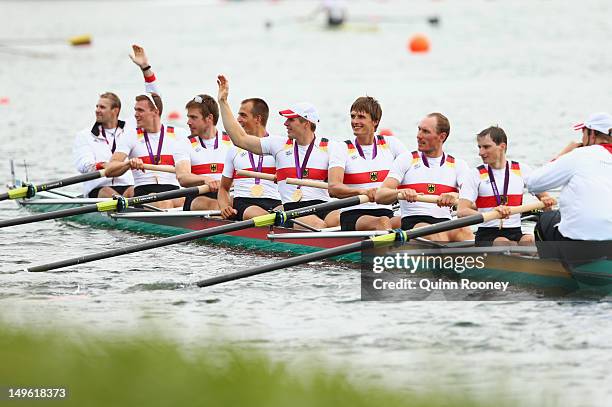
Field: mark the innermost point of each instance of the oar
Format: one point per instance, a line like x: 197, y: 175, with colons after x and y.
x: 74, y: 41
x: 325, y: 185
x: 376, y: 241
x: 110, y: 205
x: 160, y: 168
x: 258, y: 221
x: 22, y: 192
x: 255, y: 174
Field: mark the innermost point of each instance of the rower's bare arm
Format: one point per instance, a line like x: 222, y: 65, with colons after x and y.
x: 387, y: 193
x: 223, y: 198
x: 117, y: 165
x: 239, y: 137
x: 186, y: 178
x: 466, y: 208
x: 568, y: 148
x: 338, y: 189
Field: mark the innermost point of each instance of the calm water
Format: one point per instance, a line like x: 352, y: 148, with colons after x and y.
x: 533, y: 67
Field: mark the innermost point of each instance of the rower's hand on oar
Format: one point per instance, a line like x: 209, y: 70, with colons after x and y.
x: 223, y: 88
x: 136, y: 164
x: 448, y: 199
x: 408, y: 194
x: 228, y: 212
x: 504, y: 211
x: 548, y: 202
x: 138, y: 56
x: 370, y: 193
x: 212, y: 183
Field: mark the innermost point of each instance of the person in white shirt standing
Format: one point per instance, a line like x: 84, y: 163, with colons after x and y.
x: 497, y: 185
x: 359, y: 166
x: 428, y: 171
x: 583, y: 170
x: 92, y: 148
x: 209, y: 146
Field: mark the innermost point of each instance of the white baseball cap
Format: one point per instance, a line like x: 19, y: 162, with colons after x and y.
x: 304, y: 110
x: 601, y: 122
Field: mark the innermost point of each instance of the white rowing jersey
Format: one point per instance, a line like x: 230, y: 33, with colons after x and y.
x: 147, y: 146
x: 367, y: 170
x: 245, y: 187
x: 208, y: 156
x: 94, y: 146
x: 283, y: 151
x: 584, y: 203
x: 479, y: 189
x: 429, y: 176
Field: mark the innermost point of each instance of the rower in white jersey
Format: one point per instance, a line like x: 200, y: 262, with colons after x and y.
x: 497, y: 185
x: 252, y: 196
x: 428, y: 171
x: 360, y: 165
x: 300, y: 155
x: 151, y: 143
x: 94, y: 146
x: 209, y: 146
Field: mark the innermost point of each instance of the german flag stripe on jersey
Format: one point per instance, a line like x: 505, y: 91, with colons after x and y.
x: 515, y: 168
x: 288, y: 144
x: 167, y: 159
x: 313, y: 173
x: 491, y: 202
x: 170, y: 132
x: 225, y: 138
x: 194, y: 142
x: 415, y: 157
x: 429, y: 189
x: 210, y: 168
x: 380, y: 140
x: 350, y: 146
x: 323, y: 144
x: 365, y: 177
x: 484, y: 174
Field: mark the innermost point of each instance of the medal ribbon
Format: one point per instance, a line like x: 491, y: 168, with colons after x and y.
x: 299, y: 169
x: 426, y: 162
x: 155, y: 160
x: 216, y: 141
x: 498, y: 198
x: 360, y: 150
x: 114, y: 138
x: 259, y: 166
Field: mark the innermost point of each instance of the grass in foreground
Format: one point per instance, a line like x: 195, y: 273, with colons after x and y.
x: 132, y: 371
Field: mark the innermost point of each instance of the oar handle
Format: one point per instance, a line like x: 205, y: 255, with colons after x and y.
x: 532, y: 206
x: 422, y: 198
x: 255, y: 174
x: 160, y: 168
x: 307, y: 183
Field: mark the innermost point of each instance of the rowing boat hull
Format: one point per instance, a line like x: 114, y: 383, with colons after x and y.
x: 251, y: 238
x: 520, y: 270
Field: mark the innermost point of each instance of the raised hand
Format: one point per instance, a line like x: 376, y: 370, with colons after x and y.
x: 223, y: 88
x: 138, y: 56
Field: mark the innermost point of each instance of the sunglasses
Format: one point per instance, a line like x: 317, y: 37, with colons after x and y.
x: 150, y: 97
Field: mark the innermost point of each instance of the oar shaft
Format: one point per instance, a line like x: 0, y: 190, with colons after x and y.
x: 264, y: 220
x: 186, y: 237
x: 255, y: 174
x: 293, y: 261
x: 109, y: 205
x: 307, y: 183
x: 21, y: 192
x: 160, y: 168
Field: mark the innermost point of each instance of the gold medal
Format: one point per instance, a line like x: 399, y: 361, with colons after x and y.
x: 257, y: 190
x: 297, y: 195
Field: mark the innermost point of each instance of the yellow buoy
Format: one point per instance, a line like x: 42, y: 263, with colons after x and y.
x: 80, y: 40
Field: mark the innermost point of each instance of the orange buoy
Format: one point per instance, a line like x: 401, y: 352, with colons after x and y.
x: 4, y: 100
x: 385, y: 132
x: 174, y: 115
x: 418, y: 43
